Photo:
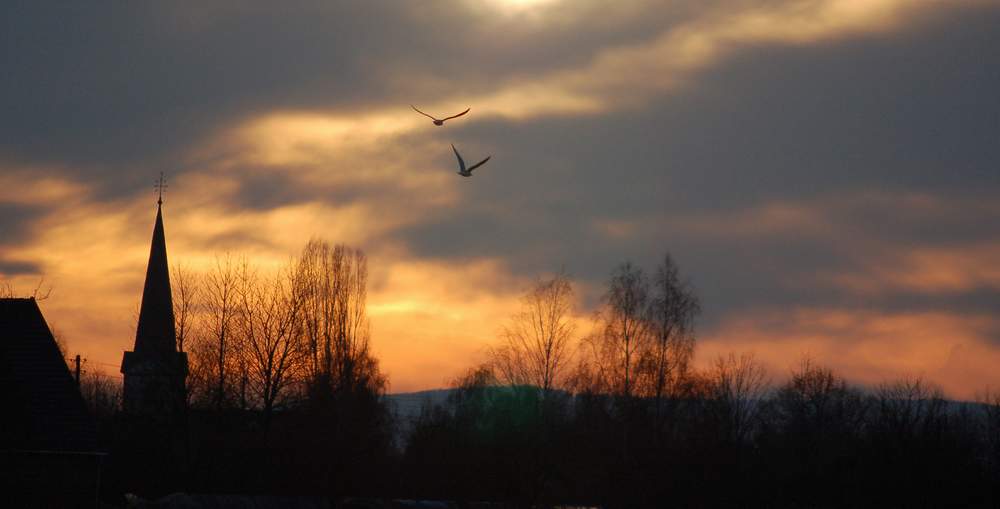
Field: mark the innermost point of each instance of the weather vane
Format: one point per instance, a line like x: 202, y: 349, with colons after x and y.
x: 160, y: 186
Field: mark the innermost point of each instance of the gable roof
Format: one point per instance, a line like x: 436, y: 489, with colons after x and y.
x: 42, y: 405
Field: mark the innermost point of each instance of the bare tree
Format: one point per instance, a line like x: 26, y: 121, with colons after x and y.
x: 251, y: 338
x: 40, y: 292
x: 221, y: 307
x: 907, y: 407
x: 101, y: 392
x: 738, y: 387
x: 989, y: 403
x: 673, y: 309
x: 270, y: 334
x: 623, y: 333
x: 332, y: 285
x: 815, y: 401
x: 185, y: 286
x: 201, y: 380
x: 6, y: 290
x: 537, y: 339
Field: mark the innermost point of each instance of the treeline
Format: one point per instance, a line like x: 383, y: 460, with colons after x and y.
x: 265, y: 341
x: 620, y: 418
x: 285, y: 397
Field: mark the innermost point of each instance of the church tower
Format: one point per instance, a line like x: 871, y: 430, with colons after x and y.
x: 155, y: 371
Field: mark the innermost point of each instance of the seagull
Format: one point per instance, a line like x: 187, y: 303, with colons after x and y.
x: 439, y: 121
x: 461, y: 164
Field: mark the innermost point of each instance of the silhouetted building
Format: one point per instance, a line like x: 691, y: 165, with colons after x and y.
x: 155, y: 371
x: 48, y: 441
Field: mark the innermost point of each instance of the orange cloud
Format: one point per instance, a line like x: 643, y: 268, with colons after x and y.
x: 430, y: 320
x: 626, y: 76
x: 849, y: 222
x: 614, y: 78
x: 43, y: 189
x: 929, y: 270
x: 957, y: 351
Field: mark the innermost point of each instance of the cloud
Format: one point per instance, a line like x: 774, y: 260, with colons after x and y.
x: 10, y: 268
x: 933, y: 270
x: 957, y: 351
x: 109, y: 87
x: 824, y: 155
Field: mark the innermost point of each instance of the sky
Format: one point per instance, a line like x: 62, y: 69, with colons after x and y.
x: 826, y: 173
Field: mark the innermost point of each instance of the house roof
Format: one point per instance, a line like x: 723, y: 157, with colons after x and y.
x: 42, y: 406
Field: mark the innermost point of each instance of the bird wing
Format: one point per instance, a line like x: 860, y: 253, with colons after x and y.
x: 422, y: 113
x: 456, y: 116
x: 461, y: 162
x: 480, y: 163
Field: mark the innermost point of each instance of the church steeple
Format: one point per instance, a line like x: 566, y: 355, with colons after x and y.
x: 155, y: 371
x: 155, y: 331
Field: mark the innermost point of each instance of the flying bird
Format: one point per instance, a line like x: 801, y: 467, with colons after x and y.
x: 462, y: 170
x: 440, y: 121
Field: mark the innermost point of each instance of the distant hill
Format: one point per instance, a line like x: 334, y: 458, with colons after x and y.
x: 407, y: 405
x: 408, y: 400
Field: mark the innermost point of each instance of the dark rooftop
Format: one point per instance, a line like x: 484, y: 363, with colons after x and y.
x: 40, y: 401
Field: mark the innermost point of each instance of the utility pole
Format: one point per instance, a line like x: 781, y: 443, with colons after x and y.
x: 76, y: 373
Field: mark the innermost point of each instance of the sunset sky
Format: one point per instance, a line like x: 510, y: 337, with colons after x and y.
x: 825, y: 172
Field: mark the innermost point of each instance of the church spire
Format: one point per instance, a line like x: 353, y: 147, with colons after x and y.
x: 155, y: 331
x: 155, y: 371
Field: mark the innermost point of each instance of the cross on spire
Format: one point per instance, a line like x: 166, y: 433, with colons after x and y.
x: 160, y: 186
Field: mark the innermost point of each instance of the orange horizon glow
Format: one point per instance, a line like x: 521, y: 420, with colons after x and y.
x: 432, y: 320
x: 367, y: 175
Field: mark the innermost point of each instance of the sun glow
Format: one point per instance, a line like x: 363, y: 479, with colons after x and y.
x: 519, y: 6
x: 525, y: 3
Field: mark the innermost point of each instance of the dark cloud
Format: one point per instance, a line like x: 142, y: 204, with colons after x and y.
x: 116, y: 93
x: 120, y: 92
x: 16, y: 221
x: 18, y: 268
x: 984, y: 301
x: 138, y: 84
x: 266, y: 189
x: 885, y: 114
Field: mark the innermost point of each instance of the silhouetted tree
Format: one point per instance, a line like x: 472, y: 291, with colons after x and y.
x: 921, y: 445
x: 102, y: 393
x: 673, y: 308
x: 40, y: 292
x: 631, y: 423
x: 270, y: 334
x: 490, y: 439
x: 815, y: 401
x: 738, y: 387
x: 537, y: 340
x: 347, y: 412
x: 906, y: 408
x: 185, y: 286
x: 216, y: 356
x: 332, y: 284
x: 990, y: 407
x: 813, y: 432
x: 622, y: 336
